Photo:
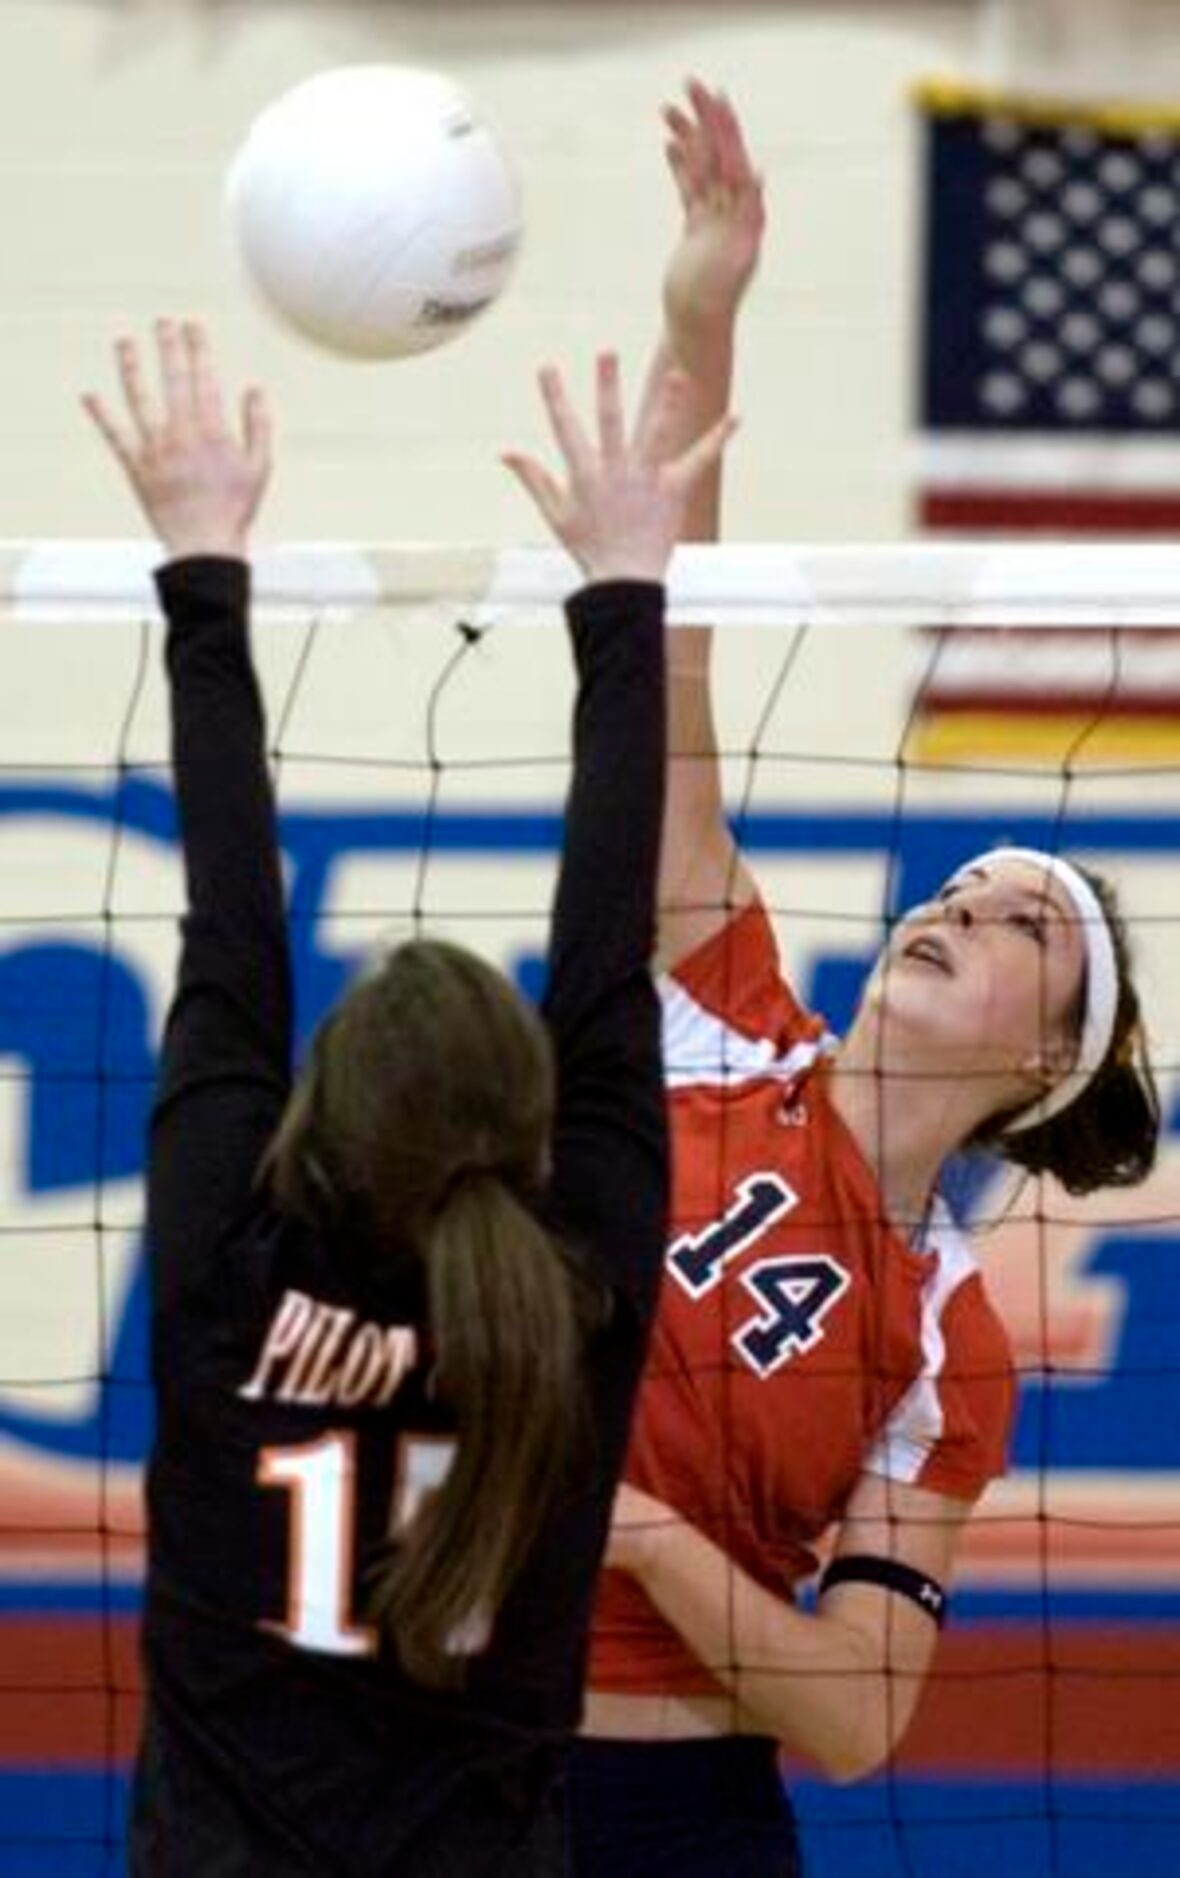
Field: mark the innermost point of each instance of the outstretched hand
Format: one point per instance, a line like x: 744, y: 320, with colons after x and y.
x: 198, y: 481
x: 620, y: 511
x: 724, y: 212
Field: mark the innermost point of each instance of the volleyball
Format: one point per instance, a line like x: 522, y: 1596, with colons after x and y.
x: 373, y: 210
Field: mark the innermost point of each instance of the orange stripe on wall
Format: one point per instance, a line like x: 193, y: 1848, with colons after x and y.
x: 1067, y: 1702
x: 70, y: 1692
x: 1017, y: 1700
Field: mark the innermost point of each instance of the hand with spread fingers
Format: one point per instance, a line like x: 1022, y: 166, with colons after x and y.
x: 199, y: 479
x: 620, y: 511
x: 724, y: 207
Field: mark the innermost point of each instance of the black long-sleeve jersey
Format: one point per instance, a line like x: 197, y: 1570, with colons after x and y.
x: 294, y: 1412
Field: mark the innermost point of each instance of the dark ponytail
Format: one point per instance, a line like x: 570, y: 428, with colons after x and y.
x: 508, y: 1366
x: 421, y: 1126
x: 1109, y: 1136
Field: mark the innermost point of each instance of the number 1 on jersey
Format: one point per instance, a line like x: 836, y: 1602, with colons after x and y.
x: 319, y: 1478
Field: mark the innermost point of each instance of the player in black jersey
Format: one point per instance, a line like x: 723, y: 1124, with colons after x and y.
x: 419, y: 1274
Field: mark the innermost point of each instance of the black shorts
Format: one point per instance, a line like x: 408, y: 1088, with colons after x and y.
x: 688, y: 1809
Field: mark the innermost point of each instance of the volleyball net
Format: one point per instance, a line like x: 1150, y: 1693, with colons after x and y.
x: 884, y: 713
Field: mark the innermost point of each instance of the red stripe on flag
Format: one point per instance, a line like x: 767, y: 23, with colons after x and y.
x: 1003, y: 511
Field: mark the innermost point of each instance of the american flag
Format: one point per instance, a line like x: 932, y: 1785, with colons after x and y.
x: 1050, y: 386
x: 1050, y: 366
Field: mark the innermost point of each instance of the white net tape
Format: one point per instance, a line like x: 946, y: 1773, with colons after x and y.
x: 957, y: 584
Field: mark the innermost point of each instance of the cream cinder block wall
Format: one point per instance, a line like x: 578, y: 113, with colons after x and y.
x: 120, y: 117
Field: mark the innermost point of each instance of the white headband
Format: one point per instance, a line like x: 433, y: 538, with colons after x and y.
x: 1102, y: 981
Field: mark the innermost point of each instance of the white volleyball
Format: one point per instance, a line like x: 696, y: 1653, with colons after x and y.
x: 374, y: 212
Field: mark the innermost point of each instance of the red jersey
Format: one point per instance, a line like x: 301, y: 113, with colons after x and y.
x: 801, y: 1340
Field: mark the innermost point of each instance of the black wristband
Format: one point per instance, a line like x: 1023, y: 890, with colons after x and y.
x: 864, y: 1568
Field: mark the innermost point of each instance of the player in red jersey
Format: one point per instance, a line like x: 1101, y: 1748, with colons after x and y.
x: 825, y: 1355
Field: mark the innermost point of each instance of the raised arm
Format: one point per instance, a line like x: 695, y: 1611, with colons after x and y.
x: 618, y: 514
x: 225, y: 1060
x: 702, y: 874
